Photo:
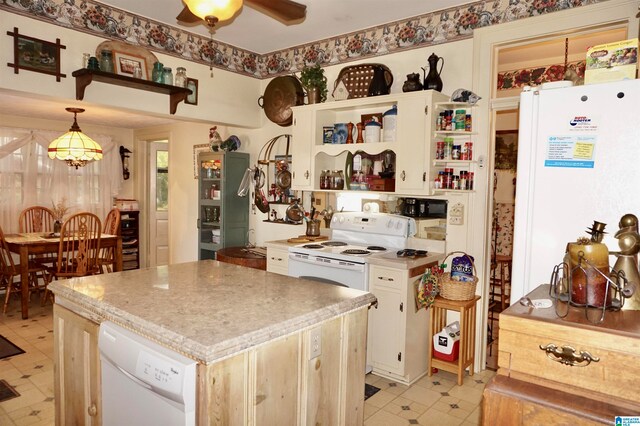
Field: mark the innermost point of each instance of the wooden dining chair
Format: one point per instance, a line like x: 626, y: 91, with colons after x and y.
x: 78, y: 249
x: 36, y: 219
x: 107, y: 257
x: 10, y: 278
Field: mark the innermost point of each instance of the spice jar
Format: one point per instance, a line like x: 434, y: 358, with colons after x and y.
x: 167, y: 76
x: 106, y: 61
x: 181, y: 77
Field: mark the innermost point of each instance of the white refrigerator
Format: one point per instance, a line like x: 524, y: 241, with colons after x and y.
x: 578, y: 161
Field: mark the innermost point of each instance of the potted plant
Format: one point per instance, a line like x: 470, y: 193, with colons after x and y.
x: 313, y: 79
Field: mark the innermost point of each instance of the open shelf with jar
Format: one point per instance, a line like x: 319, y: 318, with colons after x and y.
x: 407, y: 120
x: 453, y: 164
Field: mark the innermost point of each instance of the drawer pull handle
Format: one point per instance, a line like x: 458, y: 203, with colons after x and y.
x: 385, y: 279
x: 567, y: 355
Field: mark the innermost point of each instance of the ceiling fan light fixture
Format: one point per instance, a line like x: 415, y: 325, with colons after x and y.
x: 74, y: 147
x: 221, y: 9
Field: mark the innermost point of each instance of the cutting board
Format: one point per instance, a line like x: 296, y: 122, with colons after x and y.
x: 307, y: 239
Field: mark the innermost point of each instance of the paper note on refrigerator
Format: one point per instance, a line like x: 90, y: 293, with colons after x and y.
x: 573, y: 151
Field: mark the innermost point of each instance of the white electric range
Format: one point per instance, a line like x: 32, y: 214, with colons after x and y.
x: 357, y: 240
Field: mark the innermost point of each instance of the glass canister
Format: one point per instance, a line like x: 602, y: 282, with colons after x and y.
x: 389, y: 119
x: 167, y: 76
x: 156, y: 74
x: 106, y: 61
x: 181, y: 77
x: 337, y: 179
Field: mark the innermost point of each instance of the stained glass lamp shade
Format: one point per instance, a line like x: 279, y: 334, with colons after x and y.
x: 74, y: 147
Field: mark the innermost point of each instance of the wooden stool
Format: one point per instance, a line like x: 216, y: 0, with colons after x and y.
x: 466, y: 357
x: 503, y: 265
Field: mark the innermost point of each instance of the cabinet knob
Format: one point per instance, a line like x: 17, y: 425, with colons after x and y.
x: 306, y: 174
x: 92, y: 410
x: 403, y: 175
x: 424, y: 176
x: 567, y: 355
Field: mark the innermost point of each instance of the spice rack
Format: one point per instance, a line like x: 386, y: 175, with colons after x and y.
x: 85, y: 77
x: 452, y: 150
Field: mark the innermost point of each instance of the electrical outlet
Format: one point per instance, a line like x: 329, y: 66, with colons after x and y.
x: 315, y: 342
x: 456, y: 214
x: 455, y: 220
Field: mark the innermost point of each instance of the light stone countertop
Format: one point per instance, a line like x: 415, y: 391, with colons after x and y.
x: 207, y: 310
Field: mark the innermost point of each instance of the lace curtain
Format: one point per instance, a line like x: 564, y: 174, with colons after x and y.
x: 29, y: 177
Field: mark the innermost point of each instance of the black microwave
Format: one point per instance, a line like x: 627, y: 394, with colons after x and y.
x: 424, y: 207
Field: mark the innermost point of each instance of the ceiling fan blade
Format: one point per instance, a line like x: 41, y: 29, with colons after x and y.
x: 285, y: 10
x: 187, y: 16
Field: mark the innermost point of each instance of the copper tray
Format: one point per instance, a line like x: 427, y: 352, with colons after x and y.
x: 357, y: 78
x: 280, y: 95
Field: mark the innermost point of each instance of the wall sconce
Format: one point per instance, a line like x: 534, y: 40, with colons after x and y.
x: 124, y: 155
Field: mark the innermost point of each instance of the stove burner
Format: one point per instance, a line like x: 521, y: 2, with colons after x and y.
x: 334, y: 243
x: 411, y: 253
x: 376, y: 248
x: 313, y: 246
x: 355, y: 251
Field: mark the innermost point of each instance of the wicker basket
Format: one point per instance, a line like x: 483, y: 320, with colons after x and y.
x: 458, y: 290
x: 357, y: 78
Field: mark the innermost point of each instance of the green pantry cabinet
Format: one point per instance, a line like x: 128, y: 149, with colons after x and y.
x: 223, y: 216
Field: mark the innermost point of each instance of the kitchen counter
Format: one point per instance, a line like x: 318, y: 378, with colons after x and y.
x: 270, y: 349
x: 207, y: 310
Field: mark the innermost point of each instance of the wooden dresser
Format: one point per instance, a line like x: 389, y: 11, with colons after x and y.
x: 533, y: 387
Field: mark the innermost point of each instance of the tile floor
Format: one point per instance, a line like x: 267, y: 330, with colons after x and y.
x: 435, y: 400
x: 31, y: 373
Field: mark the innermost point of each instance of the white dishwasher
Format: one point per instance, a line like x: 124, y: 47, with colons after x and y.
x: 144, y: 383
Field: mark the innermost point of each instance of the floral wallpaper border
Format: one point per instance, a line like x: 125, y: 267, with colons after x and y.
x: 443, y: 26
x: 517, y: 79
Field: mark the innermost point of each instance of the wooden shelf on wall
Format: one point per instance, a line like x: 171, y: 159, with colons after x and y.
x: 85, y: 77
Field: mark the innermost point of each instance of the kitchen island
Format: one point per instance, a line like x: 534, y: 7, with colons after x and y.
x: 249, y: 330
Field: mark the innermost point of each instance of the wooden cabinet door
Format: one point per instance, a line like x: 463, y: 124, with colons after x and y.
x: 302, y: 140
x: 77, y: 369
x: 387, y: 321
x: 412, y: 140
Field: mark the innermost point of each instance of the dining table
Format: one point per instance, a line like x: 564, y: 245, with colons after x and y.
x: 28, y: 243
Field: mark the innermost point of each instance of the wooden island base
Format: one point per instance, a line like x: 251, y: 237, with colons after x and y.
x: 270, y: 350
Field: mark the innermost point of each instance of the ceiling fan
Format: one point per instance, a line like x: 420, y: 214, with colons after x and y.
x: 212, y: 11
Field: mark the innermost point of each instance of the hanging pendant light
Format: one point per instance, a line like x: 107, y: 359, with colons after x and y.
x: 216, y: 10
x: 74, y: 147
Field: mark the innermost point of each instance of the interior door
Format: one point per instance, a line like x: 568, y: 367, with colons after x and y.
x: 159, y: 203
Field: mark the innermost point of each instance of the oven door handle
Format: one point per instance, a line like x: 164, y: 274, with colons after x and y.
x: 323, y: 261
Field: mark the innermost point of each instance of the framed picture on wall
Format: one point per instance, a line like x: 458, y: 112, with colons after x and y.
x: 506, y: 149
x: 34, y: 54
x: 126, y: 64
x: 192, y: 99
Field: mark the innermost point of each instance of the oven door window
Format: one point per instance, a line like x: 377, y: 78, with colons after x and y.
x: 348, y: 274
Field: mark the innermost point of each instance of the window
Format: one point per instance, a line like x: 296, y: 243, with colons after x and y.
x: 29, y: 177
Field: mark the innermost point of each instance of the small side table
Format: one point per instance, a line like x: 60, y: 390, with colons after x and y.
x: 438, y: 320
x: 240, y: 256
